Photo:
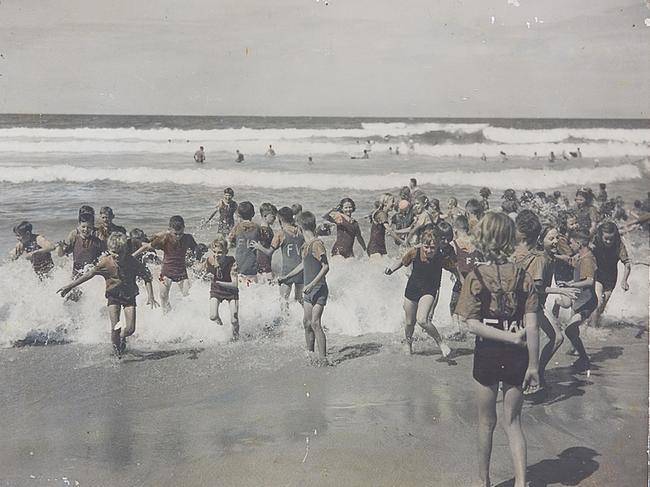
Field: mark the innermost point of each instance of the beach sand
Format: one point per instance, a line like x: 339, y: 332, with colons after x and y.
x: 256, y: 413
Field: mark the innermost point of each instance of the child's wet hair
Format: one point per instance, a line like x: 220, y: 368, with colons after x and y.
x: 509, y: 206
x: 246, y: 210
x: 446, y: 231
x: 452, y: 202
x: 87, y: 218
x: 495, y: 236
x: 306, y: 220
x: 587, y: 194
x: 528, y: 224
x: 485, y: 192
x: 139, y: 235
x: 286, y: 215
x: 106, y: 210
x: 22, y: 228
x: 220, y: 243
x: 229, y: 191
x: 86, y: 210
x: 607, y: 227
x: 474, y: 207
x: 405, y: 193
x: 435, y: 204
x: 344, y: 201
x: 268, y: 209
x: 422, y: 199
x: 177, y: 223
x: 431, y: 236
x: 116, y: 242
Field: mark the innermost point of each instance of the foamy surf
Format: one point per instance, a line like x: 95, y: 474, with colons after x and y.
x: 539, y: 179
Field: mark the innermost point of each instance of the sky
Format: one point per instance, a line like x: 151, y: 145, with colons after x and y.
x: 384, y: 58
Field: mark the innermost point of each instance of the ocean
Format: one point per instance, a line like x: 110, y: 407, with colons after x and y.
x: 143, y: 167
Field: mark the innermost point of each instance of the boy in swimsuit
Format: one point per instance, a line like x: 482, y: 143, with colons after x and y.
x: 175, y: 244
x: 268, y: 212
x: 35, y: 248
x: 120, y: 270
x: 226, y: 208
x: 244, y: 237
x: 224, y: 284
x: 423, y: 286
x: 290, y: 242
x: 314, y: 267
x: 84, y: 246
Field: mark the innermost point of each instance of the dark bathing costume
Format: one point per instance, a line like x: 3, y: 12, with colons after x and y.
x: 377, y: 241
x: 425, y: 276
x: 85, y: 251
x: 311, y: 268
x: 263, y: 260
x: 291, y: 248
x: 175, y: 250
x: 42, y: 263
x: 222, y: 273
x: 346, y: 232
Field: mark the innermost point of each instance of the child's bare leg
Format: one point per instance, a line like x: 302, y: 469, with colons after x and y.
x: 513, y: 399
x: 572, y: 332
x: 410, y: 310
x: 285, y: 293
x: 165, y: 285
x: 297, y: 292
x: 184, y: 286
x: 424, y: 313
x: 603, y: 298
x: 310, y: 337
x: 487, y: 421
x: 319, y: 334
x: 214, y: 311
x: 234, y: 317
x: 114, y: 316
x: 129, y: 317
x: 555, y: 339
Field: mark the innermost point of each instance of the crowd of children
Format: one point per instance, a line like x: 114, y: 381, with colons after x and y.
x: 505, y: 264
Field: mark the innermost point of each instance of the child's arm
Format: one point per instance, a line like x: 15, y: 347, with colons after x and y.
x: 151, y: 300
x: 143, y: 248
x: 296, y: 270
x: 16, y: 251
x: 64, y: 247
x: 330, y: 216
x: 325, y: 268
x: 393, y: 233
x: 360, y: 239
x: 45, y: 245
x: 623, y: 256
x: 266, y: 251
x: 80, y: 280
x: 396, y: 266
x: 211, y: 216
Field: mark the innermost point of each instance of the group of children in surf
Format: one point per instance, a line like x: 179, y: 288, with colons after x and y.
x: 503, y: 262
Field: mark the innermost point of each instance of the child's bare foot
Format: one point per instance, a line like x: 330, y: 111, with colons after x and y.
x: 218, y: 321
x: 444, y: 348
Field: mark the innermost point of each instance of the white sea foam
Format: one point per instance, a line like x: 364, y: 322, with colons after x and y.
x: 521, y: 178
x: 521, y: 136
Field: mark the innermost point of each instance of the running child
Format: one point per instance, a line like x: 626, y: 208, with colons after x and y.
x: 119, y: 270
x: 224, y: 284
x: 347, y: 228
x: 314, y: 267
x: 609, y: 249
x: 175, y: 244
x: 499, y: 303
x: 226, y: 207
x: 423, y: 285
x: 33, y: 247
x: 289, y: 240
x: 268, y: 212
x: 85, y: 247
x: 379, y: 225
x: 584, y: 273
x: 244, y: 237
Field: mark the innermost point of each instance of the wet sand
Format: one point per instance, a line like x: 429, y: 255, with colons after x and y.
x: 255, y: 413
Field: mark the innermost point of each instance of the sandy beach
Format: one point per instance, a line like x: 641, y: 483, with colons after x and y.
x: 257, y: 413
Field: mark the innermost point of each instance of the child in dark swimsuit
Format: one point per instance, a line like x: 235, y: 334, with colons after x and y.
x: 609, y: 249
x: 347, y: 228
x: 268, y: 212
x: 244, y: 237
x: 423, y: 219
x: 499, y: 303
x: 289, y: 241
x: 314, y: 267
x: 34, y: 248
x: 224, y: 284
x: 175, y: 244
x: 226, y: 207
x: 379, y: 225
x: 586, y: 213
x: 84, y: 246
x: 584, y: 304
x: 423, y: 286
x: 120, y: 270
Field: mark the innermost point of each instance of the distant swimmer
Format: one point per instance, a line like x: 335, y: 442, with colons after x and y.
x: 411, y: 145
x: 576, y: 154
x: 504, y: 156
x: 390, y: 150
x: 240, y: 156
x: 199, y: 155
x: 565, y: 156
x: 535, y: 156
x: 310, y: 160
x: 365, y: 155
x: 397, y: 151
x: 270, y: 152
x: 483, y: 157
x: 551, y: 157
